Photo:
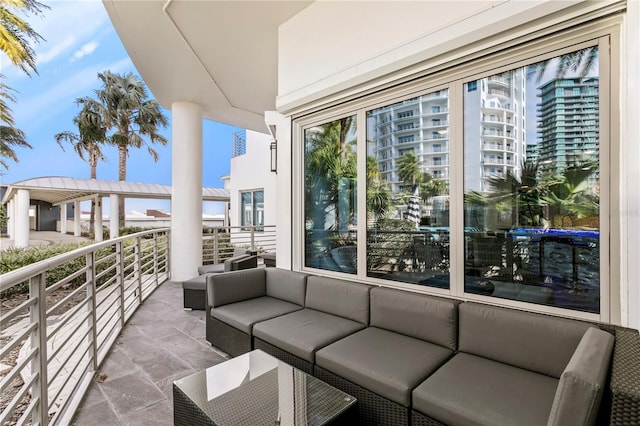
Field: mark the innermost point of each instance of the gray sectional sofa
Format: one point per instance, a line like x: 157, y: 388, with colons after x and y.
x: 411, y: 358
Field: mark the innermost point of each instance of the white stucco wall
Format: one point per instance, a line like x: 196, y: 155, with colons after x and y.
x: 252, y: 171
x: 332, y: 47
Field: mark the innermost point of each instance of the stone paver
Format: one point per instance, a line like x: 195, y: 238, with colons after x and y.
x: 160, y: 344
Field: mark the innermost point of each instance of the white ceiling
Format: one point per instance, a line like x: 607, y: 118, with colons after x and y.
x: 222, y: 55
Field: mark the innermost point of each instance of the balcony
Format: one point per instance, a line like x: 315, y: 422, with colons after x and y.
x: 72, y: 338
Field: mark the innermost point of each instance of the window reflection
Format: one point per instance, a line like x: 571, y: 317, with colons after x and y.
x: 330, y: 196
x: 531, y: 181
x: 408, y: 191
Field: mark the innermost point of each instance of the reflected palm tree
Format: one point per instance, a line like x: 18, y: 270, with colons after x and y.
x: 580, y: 62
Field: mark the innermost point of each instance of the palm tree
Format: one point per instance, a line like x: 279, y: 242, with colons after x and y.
x: 522, y: 193
x: 409, y: 170
x: 10, y: 136
x: 570, y: 194
x: 330, y: 161
x: 16, y: 41
x: 378, y: 193
x: 123, y: 104
x: 433, y: 187
x: 86, y: 143
x: 581, y: 61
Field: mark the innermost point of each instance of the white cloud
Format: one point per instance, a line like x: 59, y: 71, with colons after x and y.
x: 80, y: 20
x: 86, y: 49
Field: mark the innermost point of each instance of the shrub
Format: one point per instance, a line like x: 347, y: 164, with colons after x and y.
x: 16, y: 258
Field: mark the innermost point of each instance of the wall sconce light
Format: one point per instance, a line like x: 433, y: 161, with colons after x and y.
x: 273, y: 148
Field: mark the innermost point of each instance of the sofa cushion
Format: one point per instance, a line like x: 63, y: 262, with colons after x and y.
x: 235, y: 286
x: 303, y: 332
x: 386, y: 363
x: 243, y: 315
x: 416, y: 315
x: 338, y: 297
x: 531, y: 341
x: 582, y: 383
x: 286, y: 285
x: 470, y: 390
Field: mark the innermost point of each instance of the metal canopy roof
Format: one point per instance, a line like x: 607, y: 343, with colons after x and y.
x: 58, y: 190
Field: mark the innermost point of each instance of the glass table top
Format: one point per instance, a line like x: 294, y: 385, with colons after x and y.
x: 258, y: 389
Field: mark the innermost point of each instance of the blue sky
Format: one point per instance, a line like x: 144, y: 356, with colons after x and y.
x: 80, y: 42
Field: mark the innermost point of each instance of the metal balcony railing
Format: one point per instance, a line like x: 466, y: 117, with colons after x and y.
x: 219, y: 243
x: 77, y: 304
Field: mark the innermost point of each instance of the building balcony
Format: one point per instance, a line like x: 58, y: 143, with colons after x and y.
x: 436, y: 137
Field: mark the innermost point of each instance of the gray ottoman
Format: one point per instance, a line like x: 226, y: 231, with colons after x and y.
x: 195, y: 293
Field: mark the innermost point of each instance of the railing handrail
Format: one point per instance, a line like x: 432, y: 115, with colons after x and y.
x: 20, y: 275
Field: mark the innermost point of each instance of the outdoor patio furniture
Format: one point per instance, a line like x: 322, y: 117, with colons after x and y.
x: 241, y: 259
x: 238, y: 300
x: 194, y: 290
x: 269, y: 259
x: 422, y: 360
x: 270, y: 392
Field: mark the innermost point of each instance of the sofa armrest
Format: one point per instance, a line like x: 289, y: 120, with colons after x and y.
x: 625, y: 378
x: 583, y: 381
x: 240, y: 262
x: 235, y: 286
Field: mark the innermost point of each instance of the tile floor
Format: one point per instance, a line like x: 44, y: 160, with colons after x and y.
x: 161, y: 343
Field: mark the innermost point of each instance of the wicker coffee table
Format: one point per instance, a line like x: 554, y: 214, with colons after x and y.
x: 257, y: 389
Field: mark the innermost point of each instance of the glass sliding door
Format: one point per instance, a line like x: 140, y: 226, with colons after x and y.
x: 531, y: 183
x: 330, y: 182
x: 408, y: 191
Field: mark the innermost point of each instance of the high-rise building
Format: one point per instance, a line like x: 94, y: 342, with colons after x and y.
x: 568, y: 120
x: 419, y: 125
x: 494, y: 133
x: 494, y: 123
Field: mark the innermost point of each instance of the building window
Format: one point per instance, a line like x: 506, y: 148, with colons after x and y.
x: 529, y: 236
x: 407, y: 220
x: 531, y: 217
x: 252, y: 208
x: 330, y: 201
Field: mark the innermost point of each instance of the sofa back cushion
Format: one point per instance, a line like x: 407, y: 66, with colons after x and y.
x: 531, y: 341
x: 286, y: 285
x: 416, y: 315
x: 337, y: 297
x: 236, y: 286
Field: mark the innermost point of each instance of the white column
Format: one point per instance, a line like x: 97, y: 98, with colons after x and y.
x: 77, y: 230
x: 284, y: 201
x: 186, y: 192
x: 11, y: 213
x: 97, y: 224
x: 21, y: 218
x: 63, y: 218
x: 114, y: 229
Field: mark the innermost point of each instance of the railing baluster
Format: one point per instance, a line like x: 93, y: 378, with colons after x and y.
x: 91, y: 295
x: 216, y: 256
x: 38, y: 314
x: 137, y: 267
x: 155, y: 257
x: 120, y: 279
